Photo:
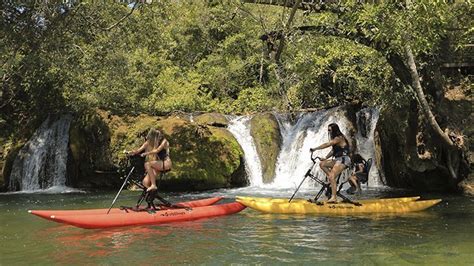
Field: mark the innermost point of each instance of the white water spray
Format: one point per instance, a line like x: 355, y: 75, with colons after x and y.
x: 309, y: 131
x: 306, y: 131
x: 240, y: 127
x: 42, y: 162
x: 366, y: 122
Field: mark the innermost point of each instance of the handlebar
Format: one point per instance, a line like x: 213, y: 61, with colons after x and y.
x: 129, y: 154
x: 315, y: 158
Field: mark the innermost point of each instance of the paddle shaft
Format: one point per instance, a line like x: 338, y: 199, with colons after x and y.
x: 123, y: 185
x: 298, y: 188
x: 308, y: 173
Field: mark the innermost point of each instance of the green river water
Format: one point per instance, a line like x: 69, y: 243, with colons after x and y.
x: 442, y: 235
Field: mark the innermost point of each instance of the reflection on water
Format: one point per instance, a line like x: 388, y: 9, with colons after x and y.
x: 50, y: 190
x: 441, y: 235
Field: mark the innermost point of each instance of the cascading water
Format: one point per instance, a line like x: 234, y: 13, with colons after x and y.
x: 366, y: 122
x: 310, y: 130
x: 240, y: 127
x: 298, y: 136
x: 41, y: 163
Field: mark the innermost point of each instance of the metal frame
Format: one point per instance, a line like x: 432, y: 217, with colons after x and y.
x: 326, y: 186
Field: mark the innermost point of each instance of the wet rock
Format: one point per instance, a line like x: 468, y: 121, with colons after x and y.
x: 408, y: 160
x: 467, y: 185
x: 9, y: 154
x: 204, y: 157
x: 212, y: 119
x: 266, y: 134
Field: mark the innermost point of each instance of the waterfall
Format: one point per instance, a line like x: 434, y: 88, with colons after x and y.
x: 42, y: 162
x: 366, y: 122
x: 310, y: 130
x: 300, y: 134
x: 239, y: 126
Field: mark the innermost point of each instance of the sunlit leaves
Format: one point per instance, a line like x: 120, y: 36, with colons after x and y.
x: 207, y: 56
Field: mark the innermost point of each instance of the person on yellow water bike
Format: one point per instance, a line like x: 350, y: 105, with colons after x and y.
x: 340, y: 151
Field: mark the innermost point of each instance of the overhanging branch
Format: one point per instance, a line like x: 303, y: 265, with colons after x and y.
x: 394, y: 59
x: 288, y: 27
x: 123, y: 18
x: 311, y: 6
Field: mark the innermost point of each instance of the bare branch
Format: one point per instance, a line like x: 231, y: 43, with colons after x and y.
x: 123, y: 18
x: 288, y: 27
x: 310, y: 6
x: 260, y: 19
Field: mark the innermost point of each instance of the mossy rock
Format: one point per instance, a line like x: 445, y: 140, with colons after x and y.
x: 9, y: 153
x: 203, y: 157
x: 265, y: 131
x: 90, y: 154
x: 212, y: 119
x: 403, y: 159
x: 467, y: 185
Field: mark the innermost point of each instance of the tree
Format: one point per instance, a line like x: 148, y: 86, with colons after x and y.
x: 384, y: 27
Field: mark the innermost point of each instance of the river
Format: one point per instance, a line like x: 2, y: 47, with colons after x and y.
x: 442, y: 235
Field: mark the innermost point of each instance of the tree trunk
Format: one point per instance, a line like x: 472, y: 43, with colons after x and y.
x: 262, y: 60
x: 452, y: 156
x: 424, y: 106
x: 280, y: 71
x: 287, y: 29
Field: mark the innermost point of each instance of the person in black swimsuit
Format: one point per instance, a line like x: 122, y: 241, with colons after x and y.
x: 359, y: 176
x: 156, y: 150
x: 340, y: 151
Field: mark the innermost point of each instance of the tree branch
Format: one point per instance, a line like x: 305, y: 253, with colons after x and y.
x: 288, y: 27
x: 259, y: 20
x: 311, y: 6
x: 123, y: 18
x: 393, y: 59
x: 425, y: 108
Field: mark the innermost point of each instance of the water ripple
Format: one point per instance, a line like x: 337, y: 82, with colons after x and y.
x: 441, y: 235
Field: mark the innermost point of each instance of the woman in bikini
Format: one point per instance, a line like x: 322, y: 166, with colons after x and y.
x: 156, y: 150
x: 340, y: 152
x: 359, y: 175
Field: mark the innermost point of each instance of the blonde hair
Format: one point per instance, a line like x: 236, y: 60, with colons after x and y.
x: 154, y: 138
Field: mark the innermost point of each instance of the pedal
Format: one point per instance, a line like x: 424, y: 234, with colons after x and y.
x: 328, y: 193
x: 134, y: 209
x: 150, y: 196
x: 151, y: 210
x: 315, y: 202
x: 125, y: 208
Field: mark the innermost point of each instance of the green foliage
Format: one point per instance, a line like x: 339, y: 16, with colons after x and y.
x: 345, y: 58
x: 207, y: 55
x: 253, y: 99
x: 331, y: 71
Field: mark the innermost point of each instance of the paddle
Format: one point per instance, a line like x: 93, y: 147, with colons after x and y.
x: 292, y: 196
x: 308, y: 173
x: 121, y: 188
